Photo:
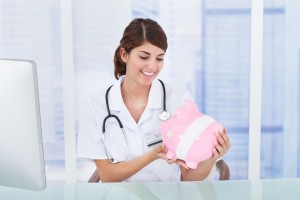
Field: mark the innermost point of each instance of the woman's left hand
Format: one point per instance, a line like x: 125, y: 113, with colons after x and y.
x: 222, y: 144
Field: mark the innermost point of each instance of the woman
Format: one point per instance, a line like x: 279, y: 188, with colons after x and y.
x: 137, y: 100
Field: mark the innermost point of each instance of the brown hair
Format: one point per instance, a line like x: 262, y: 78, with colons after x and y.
x: 135, y: 34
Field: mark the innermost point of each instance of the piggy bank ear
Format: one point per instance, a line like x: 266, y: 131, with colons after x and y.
x: 191, y: 106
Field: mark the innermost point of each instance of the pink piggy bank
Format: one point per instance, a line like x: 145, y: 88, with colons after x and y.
x: 189, y: 135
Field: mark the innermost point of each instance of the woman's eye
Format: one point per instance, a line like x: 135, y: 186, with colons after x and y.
x: 159, y: 59
x: 144, y: 58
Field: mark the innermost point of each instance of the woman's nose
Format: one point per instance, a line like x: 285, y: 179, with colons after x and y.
x: 152, y: 64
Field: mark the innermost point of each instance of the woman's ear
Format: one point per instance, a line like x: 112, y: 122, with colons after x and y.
x: 124, y: 55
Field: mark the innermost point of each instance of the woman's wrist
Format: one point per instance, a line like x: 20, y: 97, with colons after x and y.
x: 151, y: 156
x: 213, y: 159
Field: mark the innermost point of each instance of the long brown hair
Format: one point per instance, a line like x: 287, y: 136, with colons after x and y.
x: 135, y: 34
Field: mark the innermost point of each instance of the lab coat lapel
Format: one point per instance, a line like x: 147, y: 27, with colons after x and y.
x: 127, y: 120
x: 154, y: 101
x: 115, y: 97
x: 117, y: 105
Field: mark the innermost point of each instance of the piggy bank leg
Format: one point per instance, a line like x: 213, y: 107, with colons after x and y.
x: 170, y: 155
x: 191, y: 164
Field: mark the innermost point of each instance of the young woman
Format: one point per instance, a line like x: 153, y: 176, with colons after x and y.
x: 129, y: 115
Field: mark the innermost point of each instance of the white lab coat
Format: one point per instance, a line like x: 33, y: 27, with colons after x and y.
x: 90, y: 142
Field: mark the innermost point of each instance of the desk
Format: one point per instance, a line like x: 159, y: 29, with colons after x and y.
x: 286, y: 189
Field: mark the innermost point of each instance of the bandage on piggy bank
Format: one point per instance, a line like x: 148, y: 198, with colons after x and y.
x: 189, y: 135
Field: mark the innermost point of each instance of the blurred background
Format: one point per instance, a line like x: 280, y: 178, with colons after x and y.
x: 208, y: 54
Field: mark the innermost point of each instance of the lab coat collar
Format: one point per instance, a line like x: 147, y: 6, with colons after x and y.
x: 154, y: 99
x: 155, y: 95
x: 117, y: 103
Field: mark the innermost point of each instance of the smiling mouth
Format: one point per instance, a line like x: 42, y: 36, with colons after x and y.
x: 148, y: 73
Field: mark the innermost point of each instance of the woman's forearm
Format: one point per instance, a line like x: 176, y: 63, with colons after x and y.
x: 109, y: 172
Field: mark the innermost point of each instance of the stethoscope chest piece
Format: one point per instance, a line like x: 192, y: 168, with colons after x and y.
x: 164, y: 115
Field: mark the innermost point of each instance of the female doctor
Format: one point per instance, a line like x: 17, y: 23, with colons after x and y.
x: 118, y: 129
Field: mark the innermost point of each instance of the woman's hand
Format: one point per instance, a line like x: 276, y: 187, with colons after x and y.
x: 222, y: 144
x: 161, y: 152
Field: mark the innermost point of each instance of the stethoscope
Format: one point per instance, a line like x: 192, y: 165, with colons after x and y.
x: 164, y: 115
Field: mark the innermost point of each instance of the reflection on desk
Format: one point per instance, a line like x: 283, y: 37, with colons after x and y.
x: 235, y: 189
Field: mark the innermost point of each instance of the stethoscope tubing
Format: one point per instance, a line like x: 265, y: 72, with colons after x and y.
x: 109, y: 114
x: 164, y: 95
x: 164, y: 115
x: 117, y: 118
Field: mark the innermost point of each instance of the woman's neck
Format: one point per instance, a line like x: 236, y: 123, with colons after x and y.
x: 131, y: 89
x: 135, y: 98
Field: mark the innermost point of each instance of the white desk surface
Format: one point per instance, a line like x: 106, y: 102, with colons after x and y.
x: 286, y: 189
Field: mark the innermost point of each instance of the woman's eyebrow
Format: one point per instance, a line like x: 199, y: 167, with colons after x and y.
x: 149, y: 53
x: 145, y: 52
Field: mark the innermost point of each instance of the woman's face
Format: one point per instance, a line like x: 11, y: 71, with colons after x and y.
x: 143, y: 63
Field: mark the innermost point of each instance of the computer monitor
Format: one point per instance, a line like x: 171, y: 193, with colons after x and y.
x: 21, y: 148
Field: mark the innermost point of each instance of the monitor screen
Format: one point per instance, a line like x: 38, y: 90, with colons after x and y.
x: 21, y: 148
